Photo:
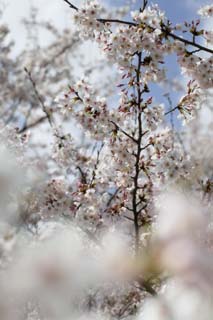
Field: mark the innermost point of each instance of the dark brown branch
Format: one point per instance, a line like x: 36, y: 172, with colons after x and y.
x: 112, y: 197
x: 138, y: 155
x: 33, y: 124
x: 185, y: 41
x: 96, y: 164
x: 171, y: 110
x: 128, y: 208
x: 128, y: 218
x: 145, y: 3
x: 141, y: 201
x: 146, y: 146
x: 194, y: 51
x: 124, y: 132
x: 72, y: 6
x: 129, y: 23
x: 83, y: 175
x: 140, y: 210
x: 40, y: 99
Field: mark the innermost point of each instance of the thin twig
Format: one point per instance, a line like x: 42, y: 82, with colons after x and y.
x: 72, y: 6
x: 124, y: 132
x: 145, y: 3
x: 96, y: 164
x: 171, y: 110
x: 185, y: 41
x: 128, y: 218
x: 40, y: 99
x: 83, y: 175
x: 129, y: 23
x: 112, y: 198
x: 33, y: 124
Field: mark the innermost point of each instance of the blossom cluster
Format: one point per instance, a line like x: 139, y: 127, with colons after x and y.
x: 190, y: 103
x: 152, y: 16
x: 199, y: 69
x: 86, y: 17
x: 92, y: 115
x: 208, y: 35
x: 206, y: 11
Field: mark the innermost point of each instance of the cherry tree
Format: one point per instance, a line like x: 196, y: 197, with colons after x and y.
x: 114, y: 219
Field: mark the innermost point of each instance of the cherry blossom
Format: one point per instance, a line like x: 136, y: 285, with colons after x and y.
x: 206, y: 11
